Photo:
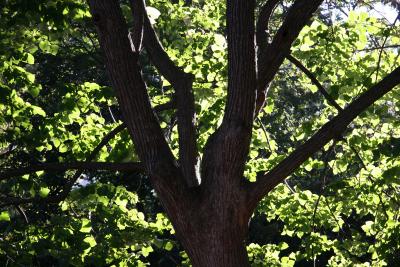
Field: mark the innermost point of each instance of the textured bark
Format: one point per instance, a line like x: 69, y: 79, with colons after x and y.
x: 213, y: 250
x: 226, y: 151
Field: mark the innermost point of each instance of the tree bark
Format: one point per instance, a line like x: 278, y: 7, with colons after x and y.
x: 218, y: 228
x: 219, y: 251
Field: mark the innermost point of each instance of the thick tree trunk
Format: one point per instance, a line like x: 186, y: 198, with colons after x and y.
x: 214, y: 229
x: 210, y: 251
x: 218, y: 241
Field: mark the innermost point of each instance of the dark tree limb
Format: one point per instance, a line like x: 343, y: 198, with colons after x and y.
x: 379, y: 48
x: 227, y: 149
x: 331, y: 130
x: 272, y: 56
x: 131, y: 90
x: 315, y: 81
x: 81, y: 166
x: 166, y: 106
x: 182, y: 83
x: 106, y: 139
x: 263, y: 21
x: 142, y: 124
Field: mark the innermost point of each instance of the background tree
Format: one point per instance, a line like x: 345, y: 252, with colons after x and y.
x: 211, y: 218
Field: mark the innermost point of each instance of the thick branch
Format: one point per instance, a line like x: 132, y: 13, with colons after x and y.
x: 272, y: 56
x: 263, y: 21
x: 241, y: 63
x: 139, y: 117
x: 127, y: 81
x: 59, y: 167
x: 226, y: 151
x: 331, y: 130
x: 182, y: 83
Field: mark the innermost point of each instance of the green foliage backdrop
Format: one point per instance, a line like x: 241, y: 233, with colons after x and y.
x: 341, y: 208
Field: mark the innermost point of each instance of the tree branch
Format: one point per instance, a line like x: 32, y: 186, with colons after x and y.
x: 59, y: 167
x: 226, y: 150
x: 131, y: 90
x: 272, y: 56
x: 315, y: 81
x: 263, y: 21
x: 331, y: 130
x: 182, y: 83
x: 139, y: 117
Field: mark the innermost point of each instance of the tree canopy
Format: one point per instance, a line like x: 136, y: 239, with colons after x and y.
x: 158, y: 133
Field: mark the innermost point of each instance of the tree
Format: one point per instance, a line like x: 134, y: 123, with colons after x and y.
x: 209, y: 205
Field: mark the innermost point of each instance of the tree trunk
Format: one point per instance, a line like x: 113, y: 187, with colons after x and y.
x: 216, y: 242
x: 214, y: 229
x: 228, y: 249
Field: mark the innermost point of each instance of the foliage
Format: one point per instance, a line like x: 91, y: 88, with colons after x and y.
x: 341, y: 208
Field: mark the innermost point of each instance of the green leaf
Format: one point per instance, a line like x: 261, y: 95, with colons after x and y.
x: 90, y: 240
x: 146, y: 251
x: 30, y: 77
x: 38, y: 111
x: 44, y: 45
x: 86, y: 226
x: 269, y: 108
x: 63, y: 148
x: 30, y: 59
x: 169, y: 246
x: 44, y: 191
x: 4, y: 216
x: 34, y: 90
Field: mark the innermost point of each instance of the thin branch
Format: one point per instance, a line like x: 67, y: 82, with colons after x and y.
x: 263, y: 21
x: 382, y: 48
x: 265, y: 133
x: 315, y: 81
x: 81, y: 166
x: 182, y: 83
x: 288, y: 186
x: 331, y: 130
x: 379, y: 48
x: 22, y: 213
x: 323, y: 184
x: 272, y: 56
x: 330, y: 100
x: 136, y: 35
x: 107, y: 138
